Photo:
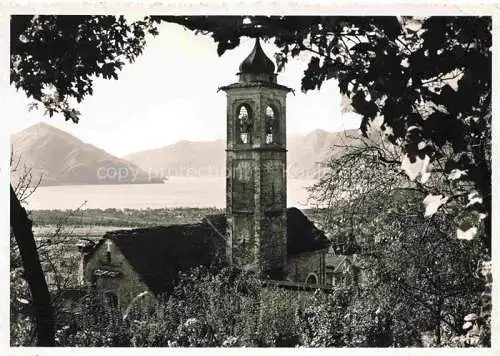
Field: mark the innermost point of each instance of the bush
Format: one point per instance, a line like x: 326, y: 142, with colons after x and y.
x: 232, y: 308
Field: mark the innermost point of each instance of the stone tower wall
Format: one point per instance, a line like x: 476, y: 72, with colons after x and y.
x: 256, y: 181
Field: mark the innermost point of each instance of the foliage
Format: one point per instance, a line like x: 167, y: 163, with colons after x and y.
x: 93, y: 323
x: 478, y: 326
x: 321, y: 323
x: 55, y: 59
x: 428, y: 277
x: 22, y: 325
x: 413, y: 267
x: 230, y: 308
x: 225, y: 308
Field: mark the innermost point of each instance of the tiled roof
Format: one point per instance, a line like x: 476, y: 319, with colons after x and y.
x: 157, y: 254
x: 303, y: 235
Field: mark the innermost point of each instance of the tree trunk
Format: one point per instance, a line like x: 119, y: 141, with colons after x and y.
x: 439, y: 308
x: 21, y: 227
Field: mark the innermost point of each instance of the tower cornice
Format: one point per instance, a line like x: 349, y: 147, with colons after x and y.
x: 255, y: 84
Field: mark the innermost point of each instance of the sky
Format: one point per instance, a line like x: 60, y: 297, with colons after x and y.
x: 170, y: 94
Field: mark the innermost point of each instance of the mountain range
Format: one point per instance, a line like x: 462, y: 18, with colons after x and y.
x: 187, y: 158
x: 62, y: 159
x: 56, y: 157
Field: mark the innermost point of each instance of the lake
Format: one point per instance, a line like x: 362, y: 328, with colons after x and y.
x: 176, y: 192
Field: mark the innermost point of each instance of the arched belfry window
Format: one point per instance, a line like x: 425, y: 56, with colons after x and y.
x: 244, y: 124
x: 271, y: 125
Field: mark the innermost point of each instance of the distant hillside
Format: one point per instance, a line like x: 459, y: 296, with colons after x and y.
x: 307, y: 153
x: 186, y: 158
x: 62, y: 159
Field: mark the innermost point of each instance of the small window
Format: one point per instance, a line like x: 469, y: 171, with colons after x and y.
x: 271, y: 125
x: 111, y: 299
x: 244, y: 125
x: 312, y: 279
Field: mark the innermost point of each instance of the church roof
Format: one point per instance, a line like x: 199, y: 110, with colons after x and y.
x: 302, y: 234
x: 257, y: 62
x: 157, y: 254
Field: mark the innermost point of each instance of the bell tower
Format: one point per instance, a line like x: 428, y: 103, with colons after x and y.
x: 256, y: 167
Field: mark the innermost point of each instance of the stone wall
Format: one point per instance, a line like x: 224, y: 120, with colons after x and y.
x: 299, y: 267
x: 126, y: 285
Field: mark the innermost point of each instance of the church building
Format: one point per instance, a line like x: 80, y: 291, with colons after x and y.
x: 257, y: 233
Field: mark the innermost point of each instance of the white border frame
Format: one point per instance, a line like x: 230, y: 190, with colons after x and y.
x: 204, y: 7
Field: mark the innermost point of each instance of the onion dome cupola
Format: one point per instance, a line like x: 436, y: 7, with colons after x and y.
x: 257, y: 62
x: 257, y: 66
